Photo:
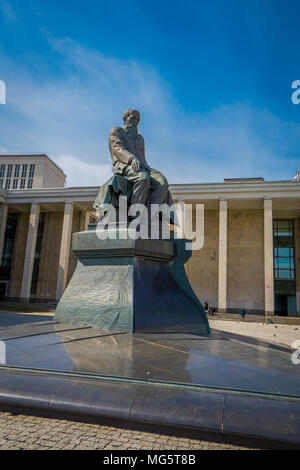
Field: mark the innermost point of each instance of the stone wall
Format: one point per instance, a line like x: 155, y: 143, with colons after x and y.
x: 245, y: 262
x: 50, y: 255
x: 202, y: 268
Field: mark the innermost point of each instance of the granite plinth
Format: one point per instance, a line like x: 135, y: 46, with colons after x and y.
x: 136, y: 285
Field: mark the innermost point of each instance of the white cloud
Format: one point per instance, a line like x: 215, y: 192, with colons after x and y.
x: 81, y: 173
x: 68, y: 116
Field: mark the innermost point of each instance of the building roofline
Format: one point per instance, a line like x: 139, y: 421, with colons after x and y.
x: 236, y: 182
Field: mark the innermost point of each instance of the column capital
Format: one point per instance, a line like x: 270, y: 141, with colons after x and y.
x: 223, y: 205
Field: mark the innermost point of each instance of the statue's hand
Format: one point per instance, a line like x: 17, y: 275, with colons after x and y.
x: 135, y: 164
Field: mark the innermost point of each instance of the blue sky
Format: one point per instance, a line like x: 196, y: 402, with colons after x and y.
x: 212, y: 80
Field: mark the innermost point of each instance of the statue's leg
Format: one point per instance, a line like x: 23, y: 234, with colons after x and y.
x: 160, y: 194
x: 159, y: 188
x: 140, y: 185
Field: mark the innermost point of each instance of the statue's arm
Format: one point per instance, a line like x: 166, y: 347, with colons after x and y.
x: 118, y: 146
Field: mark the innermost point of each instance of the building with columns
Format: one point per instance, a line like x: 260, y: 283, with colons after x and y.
x: 250, y: 257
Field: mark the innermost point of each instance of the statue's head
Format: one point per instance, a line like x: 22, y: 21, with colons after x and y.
x: 131, y: 117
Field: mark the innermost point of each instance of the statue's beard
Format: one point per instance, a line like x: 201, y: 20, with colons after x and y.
x: 131, y: 130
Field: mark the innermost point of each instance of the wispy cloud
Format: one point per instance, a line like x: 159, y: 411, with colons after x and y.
x: 68, y: 115
x: 8, y: 12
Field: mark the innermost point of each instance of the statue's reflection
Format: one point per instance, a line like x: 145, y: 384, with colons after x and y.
x: 124, y: 355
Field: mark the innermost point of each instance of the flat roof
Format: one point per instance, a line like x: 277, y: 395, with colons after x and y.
x: 257, y: 178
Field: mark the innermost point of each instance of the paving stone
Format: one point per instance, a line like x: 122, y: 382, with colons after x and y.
x: 42, y: 433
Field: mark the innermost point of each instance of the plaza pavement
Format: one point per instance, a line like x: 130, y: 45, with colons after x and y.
x: 282, y: 334
x: 277, y: 333
x: 33, y: 432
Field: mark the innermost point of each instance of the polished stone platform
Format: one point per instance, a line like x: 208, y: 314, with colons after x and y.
x: 224, y: 383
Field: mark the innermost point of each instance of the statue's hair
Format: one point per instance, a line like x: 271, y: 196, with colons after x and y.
x: 128, y: 111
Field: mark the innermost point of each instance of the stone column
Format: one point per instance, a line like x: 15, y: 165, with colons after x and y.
x: 268, y: 257
x: 84, y: 221
x: 222, y: 285
x: 30, y: 252
x: 3, y: 221
x: 298, y: 303
x: 65, y: 247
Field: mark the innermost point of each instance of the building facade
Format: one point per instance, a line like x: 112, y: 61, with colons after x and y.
x: 250, y: 257
x: 29, y: 171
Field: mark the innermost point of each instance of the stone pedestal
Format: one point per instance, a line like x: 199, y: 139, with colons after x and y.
x: 131, y: 285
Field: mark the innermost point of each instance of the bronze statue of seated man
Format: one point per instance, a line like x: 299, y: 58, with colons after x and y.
x: 133, y: 176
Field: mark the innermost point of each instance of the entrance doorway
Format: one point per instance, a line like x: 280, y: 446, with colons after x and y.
x: 281, y: 305
x: 285, y: 304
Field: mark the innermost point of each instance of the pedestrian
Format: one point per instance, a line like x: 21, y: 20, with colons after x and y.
x: 243, y: 313
x: 206, y: 306
x: 210, y: 310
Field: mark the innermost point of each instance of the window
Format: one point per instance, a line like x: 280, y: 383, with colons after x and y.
x: 1, y: 182
x: 7, y: 253
x: 284, y: 263
x: 284, y: 252
x: 22, y: 183
x: 17, y: 171
x: 2, y: 171
x: 283, y: 228
x: 31, y: 171
x: 31, y: 175
x: 16, y: 176
x: 7, y: 184
x: 9, y: 171
x: 24, y: 171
